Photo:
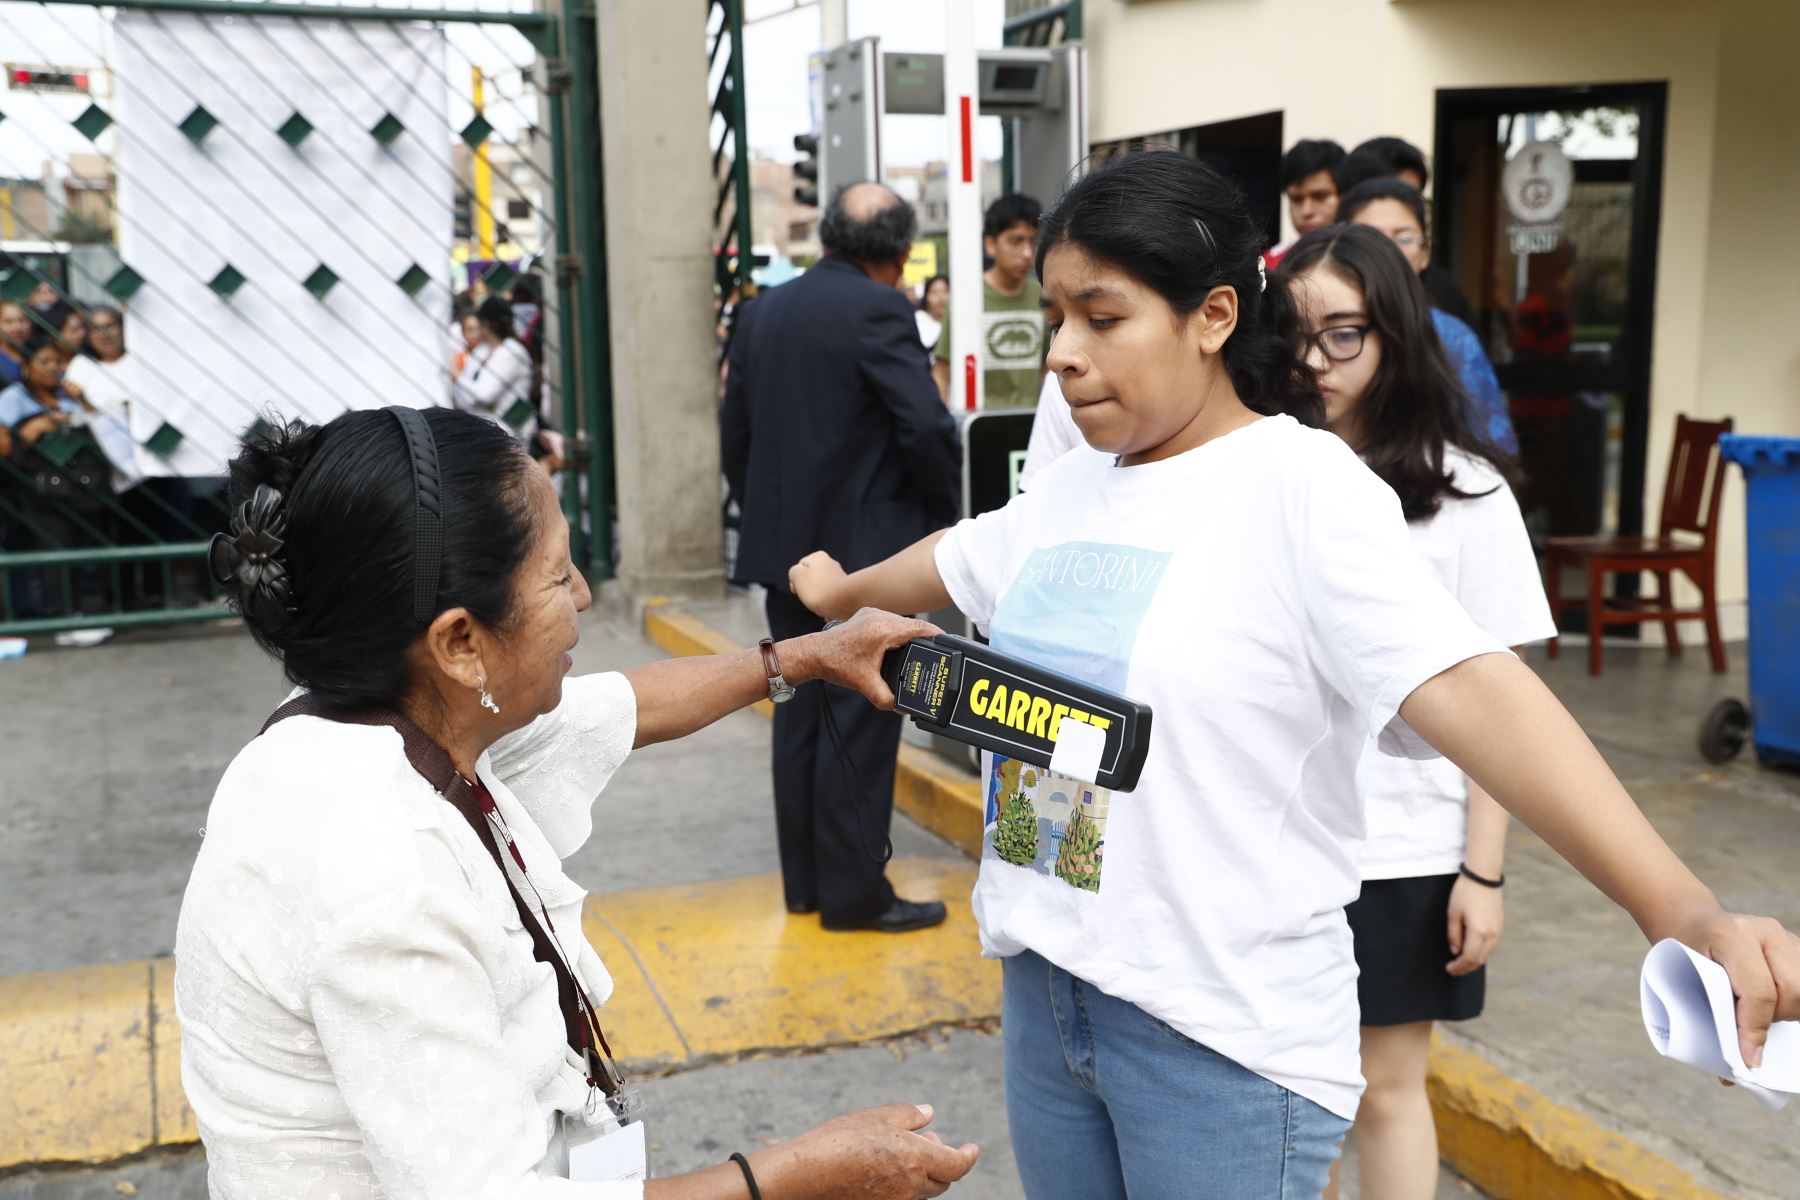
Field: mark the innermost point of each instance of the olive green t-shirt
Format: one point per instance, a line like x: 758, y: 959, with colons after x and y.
x: 1013, y: 345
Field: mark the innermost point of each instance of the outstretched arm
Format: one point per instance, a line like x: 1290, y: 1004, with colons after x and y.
x: 677, y: 696
x: 906, y: 583
x: 1496, y: 720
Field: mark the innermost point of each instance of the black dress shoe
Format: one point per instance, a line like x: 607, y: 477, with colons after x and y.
x: 900, y: 917
x: 811, y: 906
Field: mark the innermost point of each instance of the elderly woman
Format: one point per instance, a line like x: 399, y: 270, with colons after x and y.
x: 383, y: 986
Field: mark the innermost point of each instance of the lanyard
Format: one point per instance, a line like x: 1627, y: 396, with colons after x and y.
x: 581, y: 1025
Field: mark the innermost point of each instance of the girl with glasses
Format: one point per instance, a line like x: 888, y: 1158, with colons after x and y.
x: 1180, y: 1011
x: 1430, y: 909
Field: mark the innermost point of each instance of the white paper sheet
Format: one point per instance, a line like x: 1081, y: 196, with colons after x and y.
x: 1079, y: 747
x: 1691, y: 1017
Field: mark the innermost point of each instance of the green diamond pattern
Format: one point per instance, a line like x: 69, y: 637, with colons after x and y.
x: 520, y: 412
x: 321, y: 281
x: 477, y: 131
x: 16, y: 285
x: 387, y: 129
x: 163, y: 442
x: 294, y: 130
x: 414, y: 280
x: 227, y: 281
x: 92, y: 122
x: 124, y: 284
x: 499, y: 278
x: 198, y: 124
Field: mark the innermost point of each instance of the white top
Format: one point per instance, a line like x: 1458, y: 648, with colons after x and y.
x: 930, y: 328
x: 493, y: 380
x: 1260, y: 594
x: 361, y: 1014
x: 1418, y: 814
x: 108, y: 389
x: 1053, y: 431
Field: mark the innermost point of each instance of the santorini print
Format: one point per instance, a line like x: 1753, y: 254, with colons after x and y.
x: 1046, y: 823
x: 1074, y: 607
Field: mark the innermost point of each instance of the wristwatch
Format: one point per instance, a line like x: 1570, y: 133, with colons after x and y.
x: 780, y: 690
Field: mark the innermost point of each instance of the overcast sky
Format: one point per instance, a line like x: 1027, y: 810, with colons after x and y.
x: 776, y: 82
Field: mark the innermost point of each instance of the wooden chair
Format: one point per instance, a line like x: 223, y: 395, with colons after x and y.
x: 1686, y: 541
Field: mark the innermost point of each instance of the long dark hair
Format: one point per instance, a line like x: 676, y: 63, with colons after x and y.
x: 347, y: 496
x: 1182, y: 229
x: 1415, y: 405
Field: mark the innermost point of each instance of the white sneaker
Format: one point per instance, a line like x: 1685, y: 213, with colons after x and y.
x: 83, y: 637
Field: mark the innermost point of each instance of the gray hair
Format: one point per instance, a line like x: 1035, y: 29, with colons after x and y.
x: 867, y: 229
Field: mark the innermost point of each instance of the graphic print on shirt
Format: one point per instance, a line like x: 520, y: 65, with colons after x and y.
x: 1075, y: 608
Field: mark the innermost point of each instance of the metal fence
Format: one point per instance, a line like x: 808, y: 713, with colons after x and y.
x: 235, y: 213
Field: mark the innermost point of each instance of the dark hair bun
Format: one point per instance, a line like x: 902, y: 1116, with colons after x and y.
x: 321, y: 555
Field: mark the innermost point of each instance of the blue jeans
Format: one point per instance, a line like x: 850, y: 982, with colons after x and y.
x: 1107, y: 1102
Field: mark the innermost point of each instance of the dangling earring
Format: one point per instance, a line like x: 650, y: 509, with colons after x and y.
x: 487, y: 701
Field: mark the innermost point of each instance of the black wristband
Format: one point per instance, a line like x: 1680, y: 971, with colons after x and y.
x: 1483, y: 880
x: 749, y: 1176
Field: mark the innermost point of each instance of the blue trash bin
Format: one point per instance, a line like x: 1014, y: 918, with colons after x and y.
x: 1771, y: 467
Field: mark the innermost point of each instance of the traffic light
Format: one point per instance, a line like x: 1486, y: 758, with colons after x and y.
x: 807, y: 168
x: 463, y: 216
x: 21, y: 78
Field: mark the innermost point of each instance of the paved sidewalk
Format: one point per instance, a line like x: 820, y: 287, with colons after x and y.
x: 133, y: 737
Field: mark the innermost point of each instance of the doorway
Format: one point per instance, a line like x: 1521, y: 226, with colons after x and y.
x: 1548, y: 202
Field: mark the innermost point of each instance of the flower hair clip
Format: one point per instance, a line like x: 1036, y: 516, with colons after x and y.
x: 249, y: 557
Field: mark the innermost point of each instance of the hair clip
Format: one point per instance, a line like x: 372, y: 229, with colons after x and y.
x: 1262, y: 274
x: 1206, y: 236
x: 249, y: 556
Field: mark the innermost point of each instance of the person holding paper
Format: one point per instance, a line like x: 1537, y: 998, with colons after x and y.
x: 1180, y: 986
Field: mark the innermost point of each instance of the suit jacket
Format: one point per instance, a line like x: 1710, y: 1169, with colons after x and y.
x: 833, y: 436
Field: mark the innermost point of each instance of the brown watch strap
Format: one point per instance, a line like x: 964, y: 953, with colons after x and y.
x: 771, y: 665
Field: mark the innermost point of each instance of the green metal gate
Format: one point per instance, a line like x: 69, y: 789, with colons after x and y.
x: 281, y: 202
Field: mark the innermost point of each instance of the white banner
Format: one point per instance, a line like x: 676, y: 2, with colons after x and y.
x: 209, y: 365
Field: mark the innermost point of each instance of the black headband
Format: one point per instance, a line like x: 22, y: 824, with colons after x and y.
x: 428, y: 510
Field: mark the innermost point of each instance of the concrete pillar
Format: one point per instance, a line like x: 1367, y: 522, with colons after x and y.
x: 654, y: 117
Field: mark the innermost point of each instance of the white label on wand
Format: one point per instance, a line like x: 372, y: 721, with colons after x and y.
x: 1078, y: 750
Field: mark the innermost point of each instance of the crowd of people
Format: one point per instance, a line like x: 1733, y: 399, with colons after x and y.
x: 78, y: 468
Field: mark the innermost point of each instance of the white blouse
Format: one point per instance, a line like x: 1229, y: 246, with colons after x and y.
x: 361, y: 1013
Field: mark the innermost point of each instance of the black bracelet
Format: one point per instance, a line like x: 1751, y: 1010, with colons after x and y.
x: 1482, y: 879
x: 749, y: 1176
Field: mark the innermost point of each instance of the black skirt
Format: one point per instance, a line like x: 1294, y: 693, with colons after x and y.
x: 1402, y: 947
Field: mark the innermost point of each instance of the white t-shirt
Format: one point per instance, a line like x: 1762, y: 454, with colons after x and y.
x: 1261, y: 595
x: 1418, y: 812
x: 107, y: 388
x: 1053, y: 431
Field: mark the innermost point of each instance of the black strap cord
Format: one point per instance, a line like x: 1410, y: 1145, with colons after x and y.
x: 853, y: 785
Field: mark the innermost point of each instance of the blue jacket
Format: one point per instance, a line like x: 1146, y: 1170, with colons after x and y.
x: 1488, y: 413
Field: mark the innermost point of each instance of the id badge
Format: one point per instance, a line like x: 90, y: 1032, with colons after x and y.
x: 607, y: 1144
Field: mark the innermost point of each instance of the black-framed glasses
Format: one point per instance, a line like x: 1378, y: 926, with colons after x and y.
x: 1340, y: 343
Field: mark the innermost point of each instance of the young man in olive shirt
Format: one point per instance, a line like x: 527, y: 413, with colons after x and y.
x: 1013, y: 338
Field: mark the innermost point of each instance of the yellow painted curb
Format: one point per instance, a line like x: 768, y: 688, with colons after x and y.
x: 727, y: 970
x: 1502, y: 1135
x: 91, y: 1057
x: 1509, y: 1139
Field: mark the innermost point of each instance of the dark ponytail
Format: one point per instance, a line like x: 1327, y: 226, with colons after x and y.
x: 1182, y: 229
x: 337, y: 503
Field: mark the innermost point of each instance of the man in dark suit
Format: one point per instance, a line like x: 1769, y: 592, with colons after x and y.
x: 834, y: 439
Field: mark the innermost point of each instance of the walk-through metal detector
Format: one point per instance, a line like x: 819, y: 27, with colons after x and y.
x: 1041, y: 91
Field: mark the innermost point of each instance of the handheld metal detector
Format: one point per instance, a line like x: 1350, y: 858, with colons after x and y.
x: 975, y: 694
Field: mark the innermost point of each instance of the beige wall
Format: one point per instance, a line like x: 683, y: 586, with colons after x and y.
x: 1727, y: 292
